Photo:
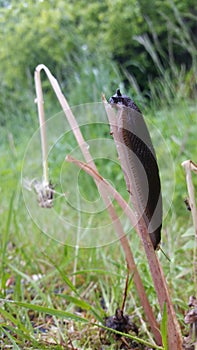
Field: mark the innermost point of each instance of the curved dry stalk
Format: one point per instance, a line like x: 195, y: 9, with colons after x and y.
x: 66, y: 109
x: 174, y: 333
x: 40, y: 103
x: 104, y: 186
x: 190, y: 166
x: 116, y: 222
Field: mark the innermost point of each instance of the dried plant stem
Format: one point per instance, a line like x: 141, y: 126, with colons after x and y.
x: 174, y: 333
x: 66, y: 108
x: 116, y: 222
x: 190, y: 166
x: 108, y: 188
x: 40, y: 103
x: 125, y: 291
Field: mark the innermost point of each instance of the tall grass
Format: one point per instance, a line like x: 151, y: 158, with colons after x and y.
x: 174, y: 82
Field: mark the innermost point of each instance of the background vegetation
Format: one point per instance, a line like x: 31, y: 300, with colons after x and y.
x: 149, y: 49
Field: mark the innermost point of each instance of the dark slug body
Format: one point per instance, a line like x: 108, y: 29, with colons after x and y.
x: 143, y: 166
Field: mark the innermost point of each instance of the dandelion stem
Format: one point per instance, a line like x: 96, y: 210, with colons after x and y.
x: 40, y: 104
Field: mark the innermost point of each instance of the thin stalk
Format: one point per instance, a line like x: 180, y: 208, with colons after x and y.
x: 190, y: 166
x: 174, y: 333
x: 40, y: 103
x: 76, y: 245
x: 114, y: 217
x: 108, y: 188
x: 125, y: 291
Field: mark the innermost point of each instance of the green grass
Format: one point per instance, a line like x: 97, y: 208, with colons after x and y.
x: 57, y: 289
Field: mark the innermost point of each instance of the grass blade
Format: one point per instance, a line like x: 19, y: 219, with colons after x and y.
x: 50, y: 311
x: 82, y: 304
x: 4, y: 241
x: 164, y: 323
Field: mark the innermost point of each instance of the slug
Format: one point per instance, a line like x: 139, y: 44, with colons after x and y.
x: 140, y: 164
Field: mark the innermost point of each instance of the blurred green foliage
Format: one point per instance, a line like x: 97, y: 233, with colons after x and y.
x: 94, y: 47
x: 35, y: 32
x: 60, y: 33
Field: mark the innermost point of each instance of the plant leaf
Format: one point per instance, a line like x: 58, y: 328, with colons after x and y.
x: 81, y: 303
x: 164, y: 327
x: 76, y: 301
x: 50, y: 311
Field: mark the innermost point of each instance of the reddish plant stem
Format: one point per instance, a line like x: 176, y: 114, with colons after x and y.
x: 115, y: 220
x: 174, y: 333
x: 107, y: 188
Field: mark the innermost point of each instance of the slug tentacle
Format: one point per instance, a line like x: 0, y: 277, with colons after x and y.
x: 140, y: 164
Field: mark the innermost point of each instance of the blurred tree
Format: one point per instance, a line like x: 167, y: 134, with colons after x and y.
x: 34, y: 32
x: 59, y: 33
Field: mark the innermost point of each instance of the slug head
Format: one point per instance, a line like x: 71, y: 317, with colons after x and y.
x: 123, y: 100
